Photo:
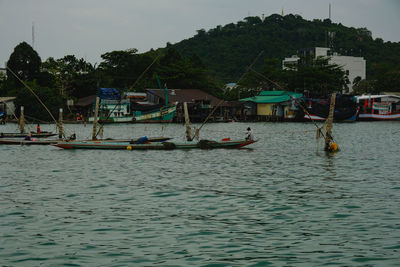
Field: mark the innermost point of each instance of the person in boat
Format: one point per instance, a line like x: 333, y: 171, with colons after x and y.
x: 28, y: 137
x: 72, y: 137
x: 38, y: 128
x: 140, y: 140
x: 249, y: 135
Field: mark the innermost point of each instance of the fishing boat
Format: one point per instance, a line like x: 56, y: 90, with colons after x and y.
x: 318, y: 109
x: 379, y: 107
x: 116, y: 109
x: 202, y: 144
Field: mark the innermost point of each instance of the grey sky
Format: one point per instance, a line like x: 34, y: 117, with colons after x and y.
x: 89, y: 28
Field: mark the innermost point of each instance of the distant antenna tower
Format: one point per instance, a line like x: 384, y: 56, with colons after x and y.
x: 329, y: 11
x: 33, y: 35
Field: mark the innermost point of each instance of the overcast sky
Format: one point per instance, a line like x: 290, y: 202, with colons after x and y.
x: 89, y: 28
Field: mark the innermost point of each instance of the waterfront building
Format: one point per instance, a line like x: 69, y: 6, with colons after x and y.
x: 275, y: 105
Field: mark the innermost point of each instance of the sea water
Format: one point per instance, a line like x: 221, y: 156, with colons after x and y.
x: 281, y: 202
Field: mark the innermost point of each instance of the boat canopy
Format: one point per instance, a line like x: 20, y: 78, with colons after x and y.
x: 108, y: 93
x: 393, y: 98
x: 266, y: 97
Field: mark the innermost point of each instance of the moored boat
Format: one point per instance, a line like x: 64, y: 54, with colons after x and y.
x: 33, y: 141
x: 318, y: 109
x: 115, y: 108
x: 379, y: 107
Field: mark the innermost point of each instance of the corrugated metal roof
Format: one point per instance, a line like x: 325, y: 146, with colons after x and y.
x: 266, y: 97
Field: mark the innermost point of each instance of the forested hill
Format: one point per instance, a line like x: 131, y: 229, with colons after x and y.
x: 229, y: 49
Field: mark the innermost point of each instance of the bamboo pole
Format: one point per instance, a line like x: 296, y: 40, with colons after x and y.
x: 22, y: 121
x: 187, y: 122
x: 60, y: 124
x: 329, y: 122
x: 95, y: 118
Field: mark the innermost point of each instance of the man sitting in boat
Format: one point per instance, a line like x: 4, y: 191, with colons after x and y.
x: 72, y: 137
x: 28, y: 137
x: 249, y: 135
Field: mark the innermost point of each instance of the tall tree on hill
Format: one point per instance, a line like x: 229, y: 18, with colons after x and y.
x: 24, y: 62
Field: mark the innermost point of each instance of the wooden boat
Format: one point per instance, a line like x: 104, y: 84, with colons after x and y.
x: 22, y: 135
x: 202, y: 144
x: 10, y: 141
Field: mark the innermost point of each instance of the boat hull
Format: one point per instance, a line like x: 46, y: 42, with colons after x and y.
x: 22, y: 135
x: 319, y: 118
x: 378, y: 117
x: 9, y: 141
x: 153, y: 146
x: 6, y: 141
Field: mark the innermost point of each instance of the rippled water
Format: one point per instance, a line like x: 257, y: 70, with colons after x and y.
x: 281, y: 202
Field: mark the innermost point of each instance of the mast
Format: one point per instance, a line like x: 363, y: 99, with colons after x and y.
x: 95, y: 118
x: 22, y: 121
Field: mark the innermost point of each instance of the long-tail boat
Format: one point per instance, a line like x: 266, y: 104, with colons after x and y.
x: 33, y: 141
x: 202, y: 144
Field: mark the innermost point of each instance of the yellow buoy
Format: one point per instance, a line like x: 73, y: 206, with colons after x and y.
x: 129, y: 147
x: 333, y: 147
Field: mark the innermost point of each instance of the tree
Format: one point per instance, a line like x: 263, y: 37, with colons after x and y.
x: 72, y: 76
x: 318, y: 76
x: 24, y: 62
x: 32, y: 107
x: 364, y: 87
x: 122, y: 69
x: 179, y: 72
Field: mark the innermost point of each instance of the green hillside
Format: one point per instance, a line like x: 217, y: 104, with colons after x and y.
x: 228, y: 49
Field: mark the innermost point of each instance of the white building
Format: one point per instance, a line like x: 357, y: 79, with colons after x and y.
x: 353, y: 66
